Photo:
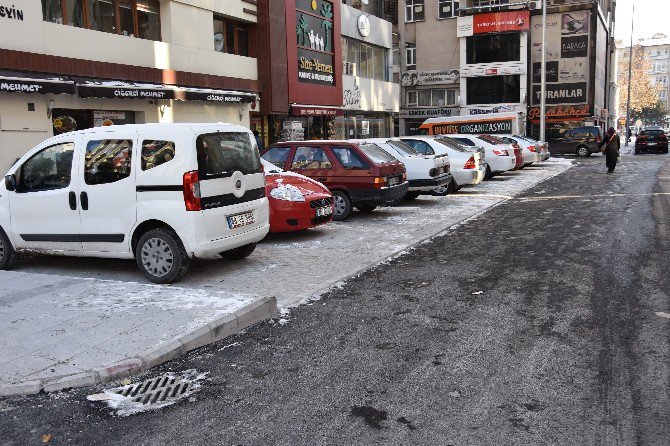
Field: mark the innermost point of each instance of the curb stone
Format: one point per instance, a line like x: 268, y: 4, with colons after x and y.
x: 257, y: 311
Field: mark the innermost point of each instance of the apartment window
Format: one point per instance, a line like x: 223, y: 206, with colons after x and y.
x: 410, y: 56
x: 414, y: 10
x: 447, y: 9
x: 660, y: 66
x: 486, y: 3
x: 412, y: 98
x: 139, y: 18
x: 364, y: 60
x: 663, y: 95
x: 489, y: 48
x: 433, y: 97
x: 231, y: 37
x: 662, y: 80
x: 494, y: 90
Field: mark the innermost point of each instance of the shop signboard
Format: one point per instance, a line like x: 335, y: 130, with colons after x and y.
x: 503, y: 69
x: 561, y: 113
x: 304, y: 110
x: 494, y: 126
x: 493, y: 22
x: 92, y: 88
x: 314, y: 33
x: 424, y: 113
x: 568, y: 58
x: 436, y: 77
x: 19, y: 82
x: 219, y: 96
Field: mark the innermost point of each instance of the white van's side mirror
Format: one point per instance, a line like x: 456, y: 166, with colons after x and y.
x: 10, y: 182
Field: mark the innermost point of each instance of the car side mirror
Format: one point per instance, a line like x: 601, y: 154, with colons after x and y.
x: 10, y: 182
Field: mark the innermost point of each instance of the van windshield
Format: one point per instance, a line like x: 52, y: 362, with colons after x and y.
x: 376, y: 153
x: 222, y: 154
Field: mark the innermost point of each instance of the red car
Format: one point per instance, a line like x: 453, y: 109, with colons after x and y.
x: 360, y: 175
x: 296, y: 202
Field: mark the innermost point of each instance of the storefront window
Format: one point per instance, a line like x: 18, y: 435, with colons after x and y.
x: 128, y: 17
x: 231, y: 37
x: 489, y: 48
x: 494, y: 90
x: 362, y: 126
x: 368, y: 61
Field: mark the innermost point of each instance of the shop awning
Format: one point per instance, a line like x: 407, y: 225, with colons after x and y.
x: 97, y: 88
x: 21, y: 82
x: 220, y: 96
x: 313, y: 110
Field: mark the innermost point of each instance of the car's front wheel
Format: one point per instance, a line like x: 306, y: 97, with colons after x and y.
x: 342, y: 204
x: 239, y: 253
x: 8, y: 255
x: 583, y: 151
x: 161, y: 256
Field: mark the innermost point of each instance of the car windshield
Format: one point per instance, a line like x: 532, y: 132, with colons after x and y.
x: 376, y: 153
x: 403, y: 148
x: 456, y: 145
x: 464, y: 141
x: 222, y: 154
x: 652, y: 132
x: 270, y: 168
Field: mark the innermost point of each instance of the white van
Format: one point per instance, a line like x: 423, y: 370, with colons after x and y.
x: 160, y: 193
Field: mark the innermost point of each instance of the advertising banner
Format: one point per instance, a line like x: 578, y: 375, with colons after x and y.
x: 493, y: 22
x: 314, y: 32
x: 437, y: 77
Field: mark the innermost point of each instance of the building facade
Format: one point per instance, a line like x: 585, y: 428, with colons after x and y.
x: 483, y: 56
x: 76, y: 64
x: 371, y: 99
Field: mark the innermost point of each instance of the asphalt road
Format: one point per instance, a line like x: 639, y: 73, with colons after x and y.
x: 534, y: 324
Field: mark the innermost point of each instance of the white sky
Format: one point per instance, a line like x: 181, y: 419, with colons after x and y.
x: 651, y: 17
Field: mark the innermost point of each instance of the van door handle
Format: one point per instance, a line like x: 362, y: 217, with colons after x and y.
x: 73, y: 201
x: 83, y: 197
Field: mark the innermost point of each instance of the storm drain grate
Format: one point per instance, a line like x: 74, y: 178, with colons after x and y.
x: 151, y: 394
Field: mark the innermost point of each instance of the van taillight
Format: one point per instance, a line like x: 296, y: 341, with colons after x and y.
x: 192, y: 191
x: 470, y: 164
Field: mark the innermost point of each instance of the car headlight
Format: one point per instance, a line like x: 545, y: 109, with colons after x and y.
x: 287, y: 192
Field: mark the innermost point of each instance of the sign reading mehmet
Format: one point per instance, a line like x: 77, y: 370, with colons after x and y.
x: 314, y: 32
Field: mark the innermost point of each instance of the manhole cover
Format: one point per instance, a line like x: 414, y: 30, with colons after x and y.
x: 151, y: 394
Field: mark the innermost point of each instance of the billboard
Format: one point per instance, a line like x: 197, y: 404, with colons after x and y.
x: 493, y: 22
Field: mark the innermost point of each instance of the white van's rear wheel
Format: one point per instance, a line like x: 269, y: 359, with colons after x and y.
x: 161, y: 256
x: 8, y: 255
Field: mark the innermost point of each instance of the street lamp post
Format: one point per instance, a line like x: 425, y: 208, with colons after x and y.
x: 543, y: 76
x: 630, y: 75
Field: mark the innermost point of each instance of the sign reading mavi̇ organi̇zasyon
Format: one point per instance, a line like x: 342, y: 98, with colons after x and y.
x: 314, y: 34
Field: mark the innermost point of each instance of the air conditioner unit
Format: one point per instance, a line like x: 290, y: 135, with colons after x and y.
x: 537, y: 4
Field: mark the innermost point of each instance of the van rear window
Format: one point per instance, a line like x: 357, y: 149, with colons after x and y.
x: 222, y: 154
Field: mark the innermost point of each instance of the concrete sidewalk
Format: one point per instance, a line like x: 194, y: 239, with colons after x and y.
x: 68, y: 322
x: 58, y: 332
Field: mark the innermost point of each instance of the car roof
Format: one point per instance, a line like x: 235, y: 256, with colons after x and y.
x: 182, y: 126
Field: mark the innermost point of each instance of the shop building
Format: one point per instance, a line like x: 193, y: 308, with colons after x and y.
x: 430, y: 75
x: 300, y: 69
x: 580, y: 52
x: 371, y: 99
x: 75, y: 64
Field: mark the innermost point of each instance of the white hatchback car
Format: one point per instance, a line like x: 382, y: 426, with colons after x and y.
x: 531, y: 151
x: 160, y: 193
x: 425, y: 173
x: 500, y: 159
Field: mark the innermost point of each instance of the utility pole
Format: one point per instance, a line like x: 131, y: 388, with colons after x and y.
x: 630, y: 74
x: 543, y: 69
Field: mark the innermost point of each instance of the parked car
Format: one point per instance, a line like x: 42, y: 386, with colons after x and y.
x: 651, y: 139
x: 581, y: 141
x: 296, y: 202
x: 467, y: 167
x: 499, y: 159
x: 531, y: 152
x: 424, y: 172
x: 360, y: 175
x: 161, y: 193
x: 543, y: 146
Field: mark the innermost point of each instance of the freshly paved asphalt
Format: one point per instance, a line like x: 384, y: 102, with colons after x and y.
x: 536, y: 323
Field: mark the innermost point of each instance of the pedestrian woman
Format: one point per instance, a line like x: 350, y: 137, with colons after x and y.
x: 610, y: 146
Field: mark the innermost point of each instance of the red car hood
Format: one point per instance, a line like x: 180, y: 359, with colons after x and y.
x: 306, y: 185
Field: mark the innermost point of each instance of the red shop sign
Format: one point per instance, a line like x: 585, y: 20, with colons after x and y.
x: 299, y: 110
x: 501, y: 21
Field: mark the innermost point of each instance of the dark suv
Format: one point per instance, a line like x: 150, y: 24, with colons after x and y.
x: 360, y: 175
x: 651, y: 139
x: 581, y: 141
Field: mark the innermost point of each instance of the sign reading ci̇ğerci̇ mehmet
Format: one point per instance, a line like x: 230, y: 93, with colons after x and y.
x: 314, y: 34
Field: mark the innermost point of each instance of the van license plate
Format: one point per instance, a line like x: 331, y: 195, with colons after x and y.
x: 235, y: 221
x: 322, y: 212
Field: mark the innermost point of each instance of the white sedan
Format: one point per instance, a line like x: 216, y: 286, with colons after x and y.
x: 425, y: 172
x: 542, y: 147
x: 499, y: 158
x: 467, y: 167
x: 531, y: 154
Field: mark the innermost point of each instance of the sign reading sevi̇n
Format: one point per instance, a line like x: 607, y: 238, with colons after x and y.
x: 493, y: 22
